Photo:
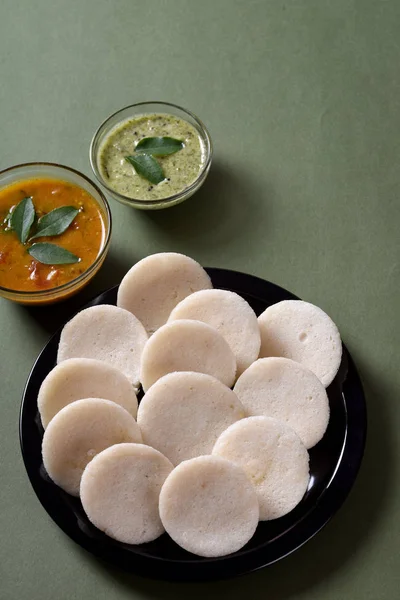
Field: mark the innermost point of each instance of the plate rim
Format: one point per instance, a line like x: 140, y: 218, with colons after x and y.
x: 331, y: 500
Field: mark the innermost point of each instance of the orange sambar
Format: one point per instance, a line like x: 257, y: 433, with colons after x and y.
x: 84, y: 237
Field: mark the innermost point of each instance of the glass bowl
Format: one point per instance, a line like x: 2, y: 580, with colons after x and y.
x: 63, y: 173
x: 140, y: 109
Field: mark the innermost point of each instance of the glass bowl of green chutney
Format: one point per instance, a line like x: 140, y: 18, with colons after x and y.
x: 151, y: 155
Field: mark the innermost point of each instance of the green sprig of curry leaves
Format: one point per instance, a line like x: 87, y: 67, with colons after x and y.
x: 22, y: 219
x: 143, y: 160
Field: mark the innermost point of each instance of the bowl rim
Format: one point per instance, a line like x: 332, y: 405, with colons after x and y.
x: 168, y: 199
x: 107, y: 238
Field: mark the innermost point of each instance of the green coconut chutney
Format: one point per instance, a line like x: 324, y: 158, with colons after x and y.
x: 181, y: 169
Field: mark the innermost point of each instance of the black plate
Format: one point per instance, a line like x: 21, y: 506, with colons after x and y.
x: 334, y: 464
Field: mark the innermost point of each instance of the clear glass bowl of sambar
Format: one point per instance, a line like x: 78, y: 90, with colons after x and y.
x: 24, y: 180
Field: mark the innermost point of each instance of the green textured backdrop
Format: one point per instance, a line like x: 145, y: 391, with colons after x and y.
x: 302, y: 101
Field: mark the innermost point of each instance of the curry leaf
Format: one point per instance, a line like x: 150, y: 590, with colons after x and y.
x: 159, y: 146
x: 50, y: 254
x: 22, y: 218
x: 146, y: 166
x: 56, y: 222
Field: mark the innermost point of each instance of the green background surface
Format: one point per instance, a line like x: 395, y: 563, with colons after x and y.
x: 302, y: 100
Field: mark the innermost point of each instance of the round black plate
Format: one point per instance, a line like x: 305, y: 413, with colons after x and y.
x: 334, y: 464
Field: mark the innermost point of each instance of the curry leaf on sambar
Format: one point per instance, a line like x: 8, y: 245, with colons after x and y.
x: 22, y: 218
x: 51, y: 254
x: 55, y: 222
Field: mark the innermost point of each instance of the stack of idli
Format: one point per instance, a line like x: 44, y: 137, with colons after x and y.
x: 232, y: 403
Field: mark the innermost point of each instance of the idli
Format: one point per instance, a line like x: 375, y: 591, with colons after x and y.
x: 187, y: 346
x: 273, y: 457
x: 80, y: 431
x: 183, y: 414
x: 288, y: 391
x: 107, y: 333
x: 229, y: 314
x: 303, y: 332
x: 120, y: 489
x: 209, y: 507
x: 77, y: 378
x: 155, y: 285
